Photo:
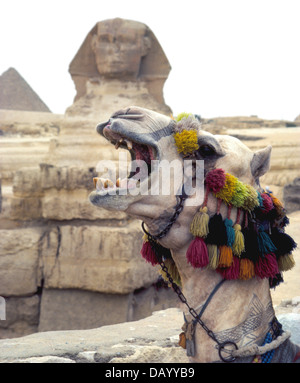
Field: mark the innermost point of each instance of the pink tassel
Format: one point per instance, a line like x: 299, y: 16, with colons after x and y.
x: 266, y: 266
x: 215, y: 180
x: 267, y: 203
x: 197, y: 254
x: 148, y: 254
x: 231, y: 272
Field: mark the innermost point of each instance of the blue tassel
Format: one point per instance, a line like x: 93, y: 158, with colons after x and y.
x: 265, y: 245
x: 230, y: 231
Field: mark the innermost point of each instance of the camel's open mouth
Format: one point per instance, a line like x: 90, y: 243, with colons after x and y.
x: 141, y: 156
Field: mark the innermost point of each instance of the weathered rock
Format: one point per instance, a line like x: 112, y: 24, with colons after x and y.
x: 154, y: 338
x: 290, y: 322
x: 72, y: 309
x: 21, y: 316
x: 77, y: 309
x: 291, y: 195
x: 95, y: 258
x: 19, y: 261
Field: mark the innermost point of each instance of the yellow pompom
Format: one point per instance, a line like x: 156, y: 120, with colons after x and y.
x: 227, y: 192
x: 186, y: 141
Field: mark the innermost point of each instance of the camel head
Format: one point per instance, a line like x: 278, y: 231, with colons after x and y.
x: 149, y: 137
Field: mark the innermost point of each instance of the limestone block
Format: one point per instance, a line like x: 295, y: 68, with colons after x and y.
x: 22, y: 316
x: 77, y: 309
x: 66, y: 177
x: 25, y: 208
x: 90, y: 257
x: 19, y: 252
x: 27, y: 182
x: 73, y: 204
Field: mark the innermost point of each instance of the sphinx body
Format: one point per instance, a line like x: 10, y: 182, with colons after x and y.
x: 241, y: 310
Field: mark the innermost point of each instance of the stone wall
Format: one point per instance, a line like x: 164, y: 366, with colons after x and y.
x: 67, y: 264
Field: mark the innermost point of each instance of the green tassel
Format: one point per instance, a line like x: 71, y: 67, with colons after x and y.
x: 230, y: 232
x: 265, y: 245
x: 239, y: 242
x: 213, y: 255
x: 199, y: 225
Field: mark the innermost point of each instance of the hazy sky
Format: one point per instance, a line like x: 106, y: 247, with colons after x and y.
x: 228, y: 57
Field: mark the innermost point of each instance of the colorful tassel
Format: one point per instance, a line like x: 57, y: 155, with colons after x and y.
x: 197, y: 254
x: 239, y: 195
x: 246, y: 269
x: 231, y: 272
x: 213, y: 255
x: 172, y: 270
x: 239, y: 241
x: 251, y: 201
x: 267, y: 266
x: 283, y: 242
x: 199, y: 225
x: 267, y: 203
x: 275, y: 281
x: 251, y: 244
x: 217, y: 231
x: 226, y: 256
x: 227, y: 192
x: 215, y: 180
x: 229, y: 231
x: 265, y: 245
x: 148, y: 253
x: 286, y: 262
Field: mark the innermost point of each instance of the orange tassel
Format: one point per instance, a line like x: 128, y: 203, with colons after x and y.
x: 246, y: 269
x: 226, y: 256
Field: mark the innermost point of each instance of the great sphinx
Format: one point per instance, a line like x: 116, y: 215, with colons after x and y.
x: 220, y: 252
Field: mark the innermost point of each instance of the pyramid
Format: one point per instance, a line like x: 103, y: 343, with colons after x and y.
x: 16, y: 94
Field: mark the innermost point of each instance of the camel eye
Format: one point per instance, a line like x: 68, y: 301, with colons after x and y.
x: 206, y: 150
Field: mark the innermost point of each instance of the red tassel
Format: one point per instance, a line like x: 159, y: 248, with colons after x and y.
x: 197, y: 254
x: 267, y: 203
x: 231, y: 272
x: 266, y: 266
x: 148, y: 254
x: 215, y: 180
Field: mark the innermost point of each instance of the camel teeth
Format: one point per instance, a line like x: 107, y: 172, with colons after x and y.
x: 118, y: 182
x: 108, y: 183
x: 95, y: 179
x: 129, y: 144
x: 119, y: 143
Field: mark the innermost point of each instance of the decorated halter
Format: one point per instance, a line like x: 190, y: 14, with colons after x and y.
x: 255, y: 245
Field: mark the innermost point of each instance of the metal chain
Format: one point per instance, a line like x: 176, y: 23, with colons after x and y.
x: 176, y: 288
x: 178, y: 209
x: 210, y: 333
x: 183, y: 299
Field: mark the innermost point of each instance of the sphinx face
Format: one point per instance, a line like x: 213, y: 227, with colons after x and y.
x: 119, y: 48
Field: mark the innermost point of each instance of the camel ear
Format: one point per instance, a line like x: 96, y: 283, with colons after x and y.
x: 260, y: 162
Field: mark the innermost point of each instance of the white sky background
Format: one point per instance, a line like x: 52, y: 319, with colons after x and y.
x: 228, y: 57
